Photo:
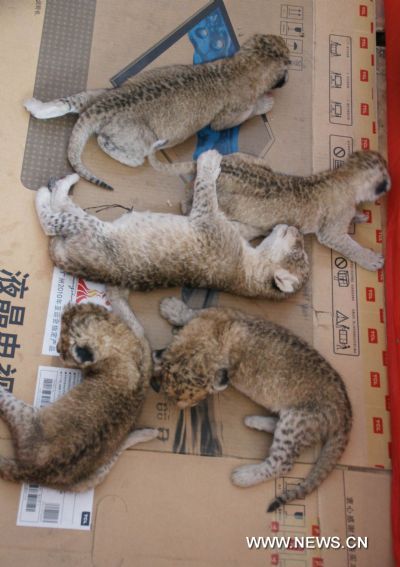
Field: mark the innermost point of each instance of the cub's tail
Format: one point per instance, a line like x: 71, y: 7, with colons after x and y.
x: 181, y: 168
x: 329, y: 456
x: 84, y: 128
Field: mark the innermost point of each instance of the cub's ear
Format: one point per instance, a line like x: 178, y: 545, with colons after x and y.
x: 285, y: 281
x: 83, y: 354
x: 221, y: 380
x: 157, y: 355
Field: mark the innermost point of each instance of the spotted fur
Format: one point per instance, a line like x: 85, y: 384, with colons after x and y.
x: 273, y: 367
x: 147, y: 250
x: 72, y: 443
x: 171, y: 103
x: 257, y: 198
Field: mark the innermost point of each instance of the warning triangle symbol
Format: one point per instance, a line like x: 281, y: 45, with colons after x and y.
x: 340, y: 317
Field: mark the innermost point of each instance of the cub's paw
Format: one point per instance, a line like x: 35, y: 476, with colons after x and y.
x: 371, y: 260
x: 360, y: 218
x: 173, y: 310
x: 148, y: 433
x: 44, y: 110
x: 248, y: 475
x: 140, y: 436
x: 65, y: 183
x: 158, y: 145
x: 60, y: 190
x: 43, y: 197
x: 265, y: 103
x: 209, y: 164
x: 261, y: 423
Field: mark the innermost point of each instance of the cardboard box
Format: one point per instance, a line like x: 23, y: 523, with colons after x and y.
x: 172, y: 502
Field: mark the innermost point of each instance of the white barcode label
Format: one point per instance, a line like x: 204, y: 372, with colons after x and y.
x: 43, y: 507
x: 67, y: 289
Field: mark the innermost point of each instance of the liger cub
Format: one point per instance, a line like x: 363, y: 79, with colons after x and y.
x: 256, y: 198
x: 172, y: 103
x: 144, y: 250
x: 73, y: 443
x: 218, y: 347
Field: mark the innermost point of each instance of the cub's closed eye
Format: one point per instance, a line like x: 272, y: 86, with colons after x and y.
x: 282, y: 81
x: 382, y: 187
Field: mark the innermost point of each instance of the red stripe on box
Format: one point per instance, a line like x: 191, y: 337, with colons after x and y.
x: 384, y: 357
x: 381, y: 315
x: 374, y: 127
x: 387, y: 403
x: 380, y: 275
x: 364, y: 42
x: 372, y: 59
x: 392, y: 253
x: 363, y: 10
x: 364, y: 75
x: 379, y: 235
x: 372, y: 27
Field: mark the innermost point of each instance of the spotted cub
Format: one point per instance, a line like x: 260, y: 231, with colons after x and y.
x: 171, y: 102
x: 256, y: 198
x: 72, y: 443
x: 144, y: 250
x: 219, y: 347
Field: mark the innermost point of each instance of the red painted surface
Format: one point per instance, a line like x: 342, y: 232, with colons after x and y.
x: 392, y: 24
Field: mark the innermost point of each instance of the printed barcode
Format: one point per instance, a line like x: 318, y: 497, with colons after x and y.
x: 32, y: 498
x: 47, y: 388
x: 51, y: 513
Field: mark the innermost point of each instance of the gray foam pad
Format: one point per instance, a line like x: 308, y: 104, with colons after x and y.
x: 62, y: 70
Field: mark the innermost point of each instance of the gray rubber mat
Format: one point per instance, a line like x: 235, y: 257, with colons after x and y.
x: 62, y: 70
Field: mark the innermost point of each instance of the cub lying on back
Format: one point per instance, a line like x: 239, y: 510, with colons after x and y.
x: 257, y: 198
x: 72, y: 443
x: 172, y: 102
x: 147, y: 250
x: 276, y: 369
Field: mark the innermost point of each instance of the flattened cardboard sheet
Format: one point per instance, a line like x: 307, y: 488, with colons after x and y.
x: 159, y: 507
